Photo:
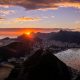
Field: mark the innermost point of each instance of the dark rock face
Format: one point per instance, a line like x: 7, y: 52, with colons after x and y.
x: 78, y: 78
x: 42, y: 66
x: 15, y: 49
x: 4, y: 54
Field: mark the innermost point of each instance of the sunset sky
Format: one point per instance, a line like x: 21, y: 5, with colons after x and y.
x: 40, y: 14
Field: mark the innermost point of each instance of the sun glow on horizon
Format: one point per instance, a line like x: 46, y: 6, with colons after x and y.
x: 28, y: 33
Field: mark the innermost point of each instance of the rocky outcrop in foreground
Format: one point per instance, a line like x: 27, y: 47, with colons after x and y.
x: 41, y: 66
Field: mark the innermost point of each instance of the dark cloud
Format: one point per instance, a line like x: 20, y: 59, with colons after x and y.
x: 42, y: 4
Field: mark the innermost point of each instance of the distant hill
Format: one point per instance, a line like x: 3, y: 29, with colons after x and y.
x: 5, y: 41
x: 66, y: 36
x: 15, y: 49
x: 21, y: 46
x: 26, y: 39
x: 45, y: 36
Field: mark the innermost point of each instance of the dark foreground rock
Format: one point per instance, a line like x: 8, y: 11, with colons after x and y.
x: 41, y: 66
x: 78, y: 77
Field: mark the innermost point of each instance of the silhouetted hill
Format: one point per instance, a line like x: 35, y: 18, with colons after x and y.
x: 4, y: 54
x: 45, y: 36
x: 15, y: 49
x: 67, y: 36
x: 41, y: 66
x: 37, y: 39
x: 23, y: 38
x: 20, y: 47
x: 6, y: 38
x: 30, y: 40
x: 27, y: 40
x: 5, y: 41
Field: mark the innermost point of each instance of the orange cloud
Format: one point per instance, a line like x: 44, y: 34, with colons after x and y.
x: 27, y: 19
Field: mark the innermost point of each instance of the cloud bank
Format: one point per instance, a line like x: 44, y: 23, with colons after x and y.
x: 6, y: 12
x: 41, y: 4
